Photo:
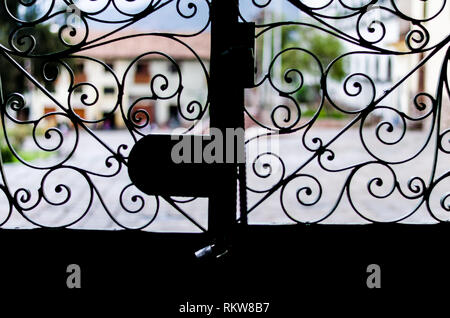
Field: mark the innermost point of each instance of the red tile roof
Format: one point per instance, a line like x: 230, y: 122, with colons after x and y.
x: 141, y: 43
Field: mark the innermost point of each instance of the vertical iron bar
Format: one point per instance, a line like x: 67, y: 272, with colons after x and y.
x: 243, y: 193
x: 226, y: 111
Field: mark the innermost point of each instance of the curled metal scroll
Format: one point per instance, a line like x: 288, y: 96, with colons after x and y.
x: 298, y: 188
x: 72, y: 24
x: 304, y: 189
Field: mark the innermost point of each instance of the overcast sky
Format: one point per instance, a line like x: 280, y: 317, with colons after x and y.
x: 167, y: 17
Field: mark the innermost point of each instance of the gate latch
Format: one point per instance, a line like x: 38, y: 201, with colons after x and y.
x: 153, y: 170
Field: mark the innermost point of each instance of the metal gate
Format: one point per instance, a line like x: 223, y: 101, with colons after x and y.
x: 244, y: 57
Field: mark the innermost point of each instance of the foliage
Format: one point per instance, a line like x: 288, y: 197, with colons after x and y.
x: 46, y: 41
x: 326, y: 112
x: 16, y: 137
x: 12, y: 79
x: 6, y: 154
x: 324, y: 46
x: 308, y: 93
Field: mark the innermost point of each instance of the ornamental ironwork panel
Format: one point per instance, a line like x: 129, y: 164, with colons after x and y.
x: 344, y: 105
x: 104, y: 68
x: 385, y: 72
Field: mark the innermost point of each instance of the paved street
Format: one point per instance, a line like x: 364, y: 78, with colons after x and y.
x: 348, y: 150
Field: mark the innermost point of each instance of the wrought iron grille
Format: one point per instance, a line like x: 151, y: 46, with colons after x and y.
x: 364, y: 27
x: 311, y: 187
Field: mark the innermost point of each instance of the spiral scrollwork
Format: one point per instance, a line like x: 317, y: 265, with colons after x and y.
x: 383, y: 173
x: 373, y: 114
x: 66, y: 184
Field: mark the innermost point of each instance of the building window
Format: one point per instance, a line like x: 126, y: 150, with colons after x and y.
x: 80, y: 75
x: 79, y: 68
x: 143, y: 111
x: 174, y: 120
x: 108, y: 90
x: 367, y: 61
x: 377, y: 69
x: 109, y: 121
x: 23, y: 114
x: 50, y: 120
x: 389, y: 69
x: 110, y: 66
x: 142, y: 74
x: 173, y: 68
x: 81, y: 112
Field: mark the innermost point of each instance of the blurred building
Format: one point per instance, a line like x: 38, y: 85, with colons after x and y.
x: 153, y: 70
x: 385, y: 70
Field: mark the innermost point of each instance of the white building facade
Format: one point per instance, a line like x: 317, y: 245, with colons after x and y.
x: 163, y: 75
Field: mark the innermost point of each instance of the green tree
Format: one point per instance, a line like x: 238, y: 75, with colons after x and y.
x: 323, y: 46
x: 46, y: 42
x: 12, y: 79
